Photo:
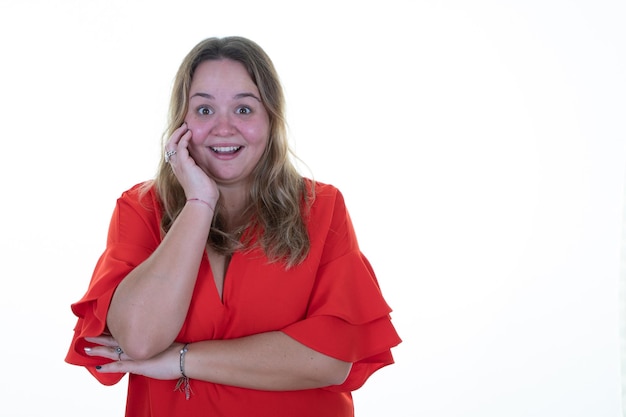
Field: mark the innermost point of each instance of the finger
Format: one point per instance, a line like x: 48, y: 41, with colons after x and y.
x: 101, y: 351
x: 102, y: 340
x: 185, y: 139
x: 172, y: 154
x: 114, y: 367
x: 183, y: 144
x: 177, y: 134
x: 109, y: 352
x: 178, y: 143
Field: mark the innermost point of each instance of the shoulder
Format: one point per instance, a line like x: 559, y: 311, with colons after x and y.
x: 327, y: 201
x: 321, y: 192
x: 326, y: 198
x: 141, y: 197
x: 140, y: 192
x: 137, y: 216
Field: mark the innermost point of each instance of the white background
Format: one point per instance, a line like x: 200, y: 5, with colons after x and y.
x: 480, y: 146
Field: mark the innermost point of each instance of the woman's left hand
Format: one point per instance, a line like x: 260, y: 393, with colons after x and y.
x: 165, y: 365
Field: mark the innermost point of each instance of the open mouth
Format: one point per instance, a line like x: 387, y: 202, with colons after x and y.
x: 226, y: 149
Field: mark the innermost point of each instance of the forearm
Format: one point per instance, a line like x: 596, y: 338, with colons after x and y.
x: 150, y: 304
x: 269, y: 361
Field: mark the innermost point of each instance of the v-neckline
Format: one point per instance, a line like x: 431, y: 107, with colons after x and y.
x: 218, y: 267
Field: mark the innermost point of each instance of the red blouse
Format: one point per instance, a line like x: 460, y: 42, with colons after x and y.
x: 331, y: 303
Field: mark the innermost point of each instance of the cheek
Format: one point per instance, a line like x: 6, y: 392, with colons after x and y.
x: 257, y: 136
x: 198, y: 132
x: 257, y: 133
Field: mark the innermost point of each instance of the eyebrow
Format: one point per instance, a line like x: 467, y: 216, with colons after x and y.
x: 236, y: 97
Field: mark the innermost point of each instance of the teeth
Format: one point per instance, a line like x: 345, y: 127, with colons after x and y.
x: 225, y: 149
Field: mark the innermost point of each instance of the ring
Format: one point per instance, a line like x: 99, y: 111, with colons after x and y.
x: 119, y: 352
x: 168, y: 155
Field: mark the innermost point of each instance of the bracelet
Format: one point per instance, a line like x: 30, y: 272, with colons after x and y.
x: 200, y: 201
x: 182, y: 360
x: 183, y: 382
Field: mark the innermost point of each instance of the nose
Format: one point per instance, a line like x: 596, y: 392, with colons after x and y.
x: 223, y: 126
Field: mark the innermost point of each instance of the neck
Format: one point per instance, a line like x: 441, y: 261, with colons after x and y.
x: 234, y: 203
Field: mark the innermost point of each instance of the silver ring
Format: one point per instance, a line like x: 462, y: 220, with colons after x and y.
x: 168, y: 155
x: 119, y: 352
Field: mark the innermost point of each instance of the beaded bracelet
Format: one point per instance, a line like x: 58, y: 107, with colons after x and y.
x: 183, y: 382
x: 201, y: 201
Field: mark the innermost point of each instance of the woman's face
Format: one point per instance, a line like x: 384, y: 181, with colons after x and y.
x: 229, y: 124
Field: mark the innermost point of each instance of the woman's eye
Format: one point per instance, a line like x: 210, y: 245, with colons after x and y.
x: 204, y: 111
x: 243, y: 110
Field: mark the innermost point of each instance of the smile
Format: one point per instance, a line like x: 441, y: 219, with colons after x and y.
x: 225, y: 149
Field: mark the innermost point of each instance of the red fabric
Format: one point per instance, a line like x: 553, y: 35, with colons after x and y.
x: 331, y: 303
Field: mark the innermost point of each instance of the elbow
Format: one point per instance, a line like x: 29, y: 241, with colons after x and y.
x: 137, y: 342
x: 139, y: 347
x: 143, y: 347
x: 139, y: 352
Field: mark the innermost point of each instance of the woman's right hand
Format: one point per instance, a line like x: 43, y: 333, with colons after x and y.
x: 195, y: 182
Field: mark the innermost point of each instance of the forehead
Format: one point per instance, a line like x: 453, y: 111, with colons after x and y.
x: 222, y: 74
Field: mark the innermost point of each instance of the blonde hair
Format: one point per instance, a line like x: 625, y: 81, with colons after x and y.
x: 278, y: 199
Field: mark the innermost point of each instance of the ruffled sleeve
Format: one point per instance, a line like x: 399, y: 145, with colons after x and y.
x: 133, y: 235
x: 348, y: 317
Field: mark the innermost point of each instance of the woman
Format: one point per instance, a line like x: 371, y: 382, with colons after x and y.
x: 230, y: 277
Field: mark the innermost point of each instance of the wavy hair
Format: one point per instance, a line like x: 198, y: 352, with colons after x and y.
x: 278, y: 198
